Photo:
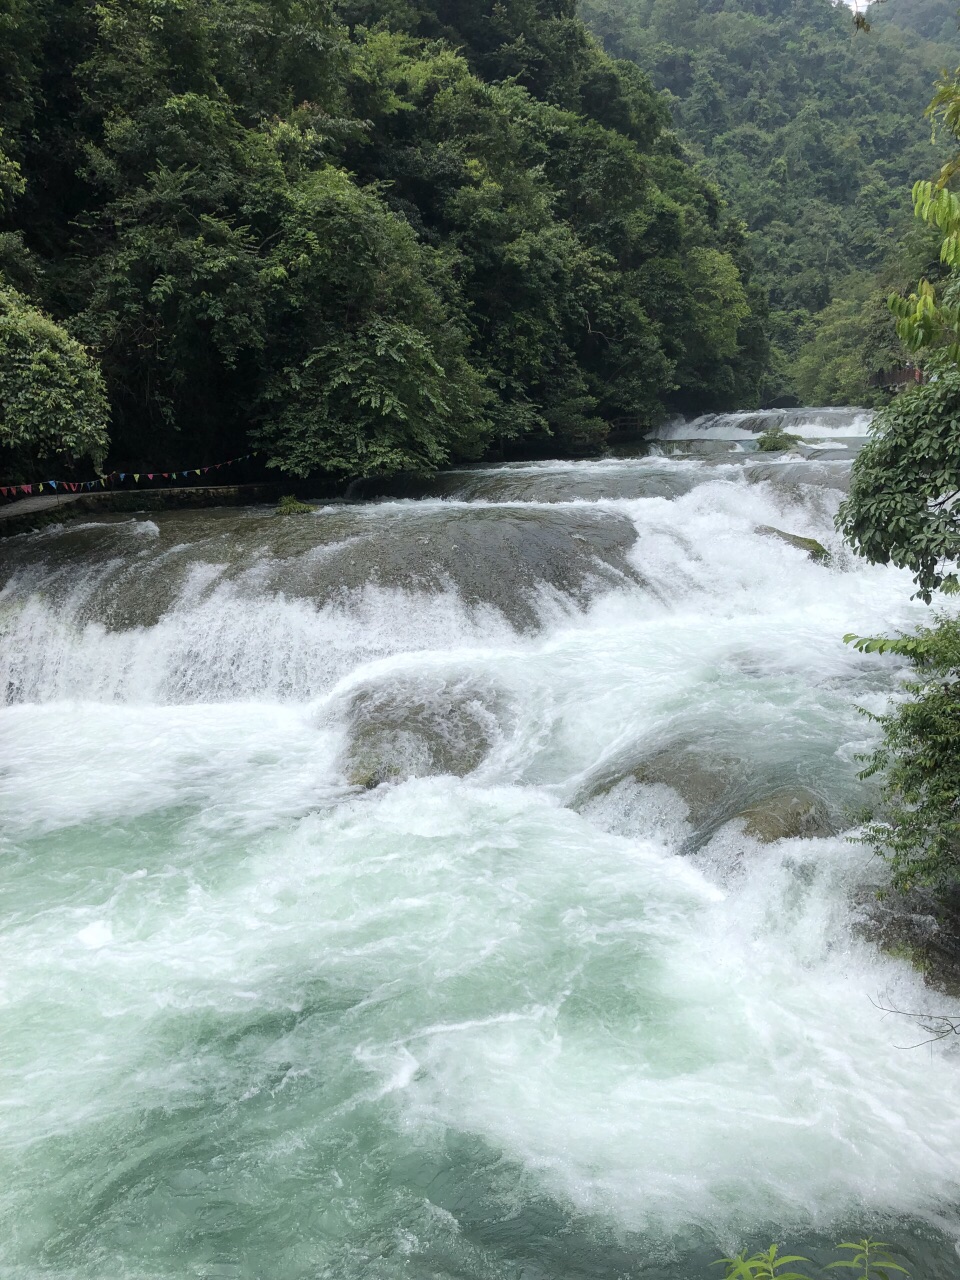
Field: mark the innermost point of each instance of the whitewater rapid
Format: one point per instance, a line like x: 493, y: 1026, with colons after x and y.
x: 344, y: 935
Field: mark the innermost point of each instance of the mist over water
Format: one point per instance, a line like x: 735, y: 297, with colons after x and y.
x: 370, y: 906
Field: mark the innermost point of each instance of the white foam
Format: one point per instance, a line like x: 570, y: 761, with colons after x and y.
x: 236, y: 990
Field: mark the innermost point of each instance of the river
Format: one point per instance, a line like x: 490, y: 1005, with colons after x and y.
x: 376, y: 903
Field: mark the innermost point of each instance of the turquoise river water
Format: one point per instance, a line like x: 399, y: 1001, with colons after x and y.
x: 343, y: 934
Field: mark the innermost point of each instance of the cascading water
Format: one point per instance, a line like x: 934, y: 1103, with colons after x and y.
x: 377, y: 903
x: 807, y: 424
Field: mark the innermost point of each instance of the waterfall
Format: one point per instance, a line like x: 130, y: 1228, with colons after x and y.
x: 808, y: 424
x: 388, y: 892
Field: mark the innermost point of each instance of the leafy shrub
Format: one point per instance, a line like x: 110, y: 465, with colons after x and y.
x: 52, y: 399
x: 289, y: 505
x: 918, y: 760
x: 776, y: 440
x: 905, y: 482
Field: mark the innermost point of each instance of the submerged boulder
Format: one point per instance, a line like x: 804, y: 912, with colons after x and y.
x: 703, y: 781
x: 712, y: 785
x: 793, y: 811
x: 701, y: 778
x: 417, y: 727
x: 814, y: 549
x: 717, y: 788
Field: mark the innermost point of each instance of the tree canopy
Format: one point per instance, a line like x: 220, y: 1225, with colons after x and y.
x: 902, y: 505
x: 815, y: 133
x: 906, y: 481
x: 902, y: 509
x: 365, y: 236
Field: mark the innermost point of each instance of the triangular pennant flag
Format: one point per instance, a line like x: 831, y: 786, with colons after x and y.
x: 136, y: 477
x: 149, y: 475
x: 165, y: 474
x: 26, y: 488
x: 197, y: 469
x: 52, y: 484
x: 123, y: 475
x: 3, y: 490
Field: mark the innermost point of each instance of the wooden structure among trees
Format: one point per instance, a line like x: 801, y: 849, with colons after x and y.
x: 893, y: 379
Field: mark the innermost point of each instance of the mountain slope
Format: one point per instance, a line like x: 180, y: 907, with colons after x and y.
x: 815, y: 132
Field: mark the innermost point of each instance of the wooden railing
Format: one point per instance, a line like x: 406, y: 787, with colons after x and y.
x: 899, y: 377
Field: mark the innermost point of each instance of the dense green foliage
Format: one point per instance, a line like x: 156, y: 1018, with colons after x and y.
x: 902, y: 509
x: 52, y: 401
x: 366, y: 237
x: 918, y: 826
x: 906, y: 481
x: 929, y: 318
x: 815, y: 133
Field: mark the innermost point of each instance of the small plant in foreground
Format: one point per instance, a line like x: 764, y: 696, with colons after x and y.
x: 871, y: 1258
x: 762, y: 1266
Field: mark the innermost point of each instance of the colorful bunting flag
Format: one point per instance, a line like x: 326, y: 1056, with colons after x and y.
x: 75, y: 486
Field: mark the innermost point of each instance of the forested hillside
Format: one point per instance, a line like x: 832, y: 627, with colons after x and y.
x: 363, y: 238
x: 816, y: 134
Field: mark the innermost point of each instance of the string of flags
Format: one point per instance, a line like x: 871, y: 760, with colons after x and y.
x: 103, y: 482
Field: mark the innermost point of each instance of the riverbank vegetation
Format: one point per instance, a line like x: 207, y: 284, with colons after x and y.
x: 918, y: 828
x: 815, y: 133
x: 363, y: 237
x: 902, y: 509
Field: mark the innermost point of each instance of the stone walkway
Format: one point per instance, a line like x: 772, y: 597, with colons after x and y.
x: 19, y: 516
x: 43, y: 502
